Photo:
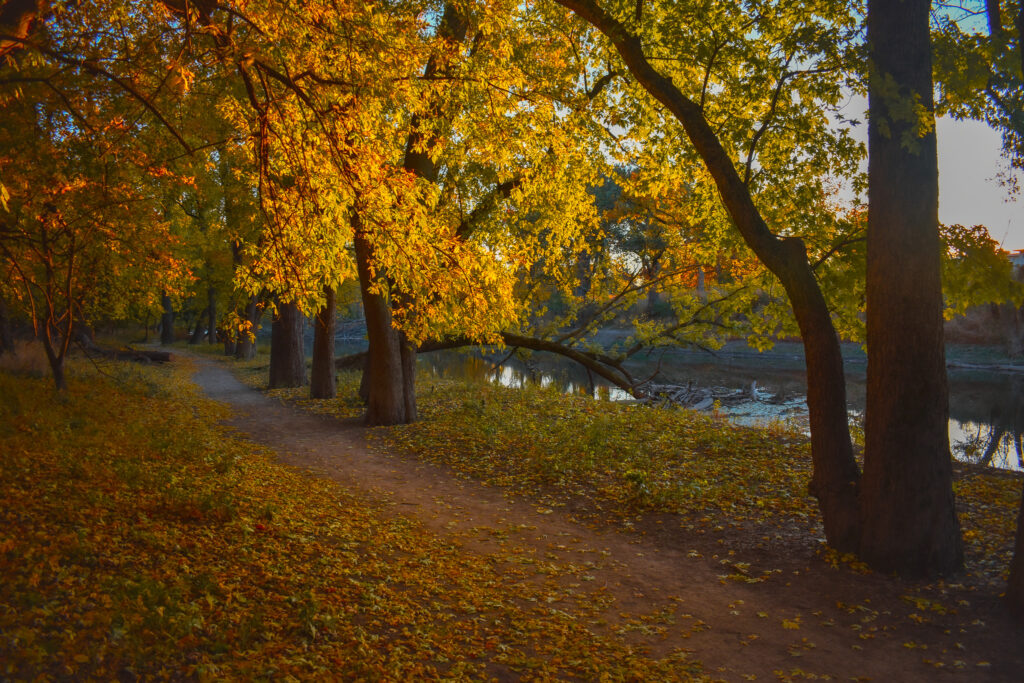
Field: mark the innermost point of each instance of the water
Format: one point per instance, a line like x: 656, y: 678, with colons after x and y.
x: 986, y: 423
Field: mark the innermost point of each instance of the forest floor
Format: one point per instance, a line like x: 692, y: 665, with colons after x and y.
x: 749, y: 600
x: 176, y: 522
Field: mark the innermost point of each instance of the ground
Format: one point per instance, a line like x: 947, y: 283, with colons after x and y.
x: 750, y: 604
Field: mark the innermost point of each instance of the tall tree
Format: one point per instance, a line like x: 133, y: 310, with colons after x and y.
x: 836, y: 475
x: 907, y: 507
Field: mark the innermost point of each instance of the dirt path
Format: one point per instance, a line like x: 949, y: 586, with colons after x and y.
x: 804, y: 620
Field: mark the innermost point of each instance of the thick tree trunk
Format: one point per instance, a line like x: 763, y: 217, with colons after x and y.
x: 385, y: 403
x: 6, y: 338
x: 230, y: 345
x: 1015, y: 586
x: 245, y: 344
x: 907, y: 509
x: 322, y: 383
x: 211, y: 315
x: 835, y: 475
x: 287, y: 354
x: 198, y: 332
x: 382, y: 405
x: 166, y: 322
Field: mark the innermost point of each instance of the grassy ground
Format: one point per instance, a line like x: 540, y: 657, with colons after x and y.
x: 140, y: 539
x: 625, y: 459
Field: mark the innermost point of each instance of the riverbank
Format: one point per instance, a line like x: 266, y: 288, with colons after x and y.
x: 510, y: 535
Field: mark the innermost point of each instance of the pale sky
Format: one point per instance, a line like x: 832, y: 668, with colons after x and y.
x: 969, y: 191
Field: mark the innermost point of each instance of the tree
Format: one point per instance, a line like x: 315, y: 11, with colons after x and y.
x: 921, y: 485
x: 907, y: 508
x: 836, y: 474
x: 287, y: 350
x: 323, y: 383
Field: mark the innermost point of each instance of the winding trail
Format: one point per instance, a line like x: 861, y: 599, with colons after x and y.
x: 805, y: 618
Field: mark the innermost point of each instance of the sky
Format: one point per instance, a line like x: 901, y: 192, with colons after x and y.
x: 969, y: 189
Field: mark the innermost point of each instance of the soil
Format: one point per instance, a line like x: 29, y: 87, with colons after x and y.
x: 805, y: 619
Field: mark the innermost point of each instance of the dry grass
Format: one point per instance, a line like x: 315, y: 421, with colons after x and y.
x: 27, y: 359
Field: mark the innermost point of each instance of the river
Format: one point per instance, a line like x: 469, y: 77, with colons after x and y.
x: 986, y: 403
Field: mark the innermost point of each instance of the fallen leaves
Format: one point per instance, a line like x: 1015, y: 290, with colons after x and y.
x: 139, y: 539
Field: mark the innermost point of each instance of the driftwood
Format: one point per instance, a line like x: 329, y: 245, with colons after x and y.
x: 647, y: 392
x: 698, y: 398
x: 139, y: 356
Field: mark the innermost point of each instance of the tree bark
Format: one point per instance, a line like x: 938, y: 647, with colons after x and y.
x: 385, y: 403
x: 835, y: 479
x: 166, y: 322
x: 907, y: 509
x: 211, y: 315
x: 1015, y: 585
x: 453, y: 28
x: 198, y: 333
x: 55, y: 343
x: 287, y: 354
x: 322, y: 383
x: 245, y: 345
x: 60, y: 381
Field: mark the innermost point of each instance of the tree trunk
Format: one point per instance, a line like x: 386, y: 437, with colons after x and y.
x: 1015, y: 586
x: 245, y: 344
x: 322, y: 383
x: 408, y: 353
x: 230, y: 345
x: 56, y: 346
x: 385, y: 341
x: 385, y: 403
x: 835, y: 477
x: 198, y: 332
x: 287, y: 355
x: 6, y: 338
x: 211, y: 313
x: 57, y: 369
x: 907, y: 509
x: 166, y: 322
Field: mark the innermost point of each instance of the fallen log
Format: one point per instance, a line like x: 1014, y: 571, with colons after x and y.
x: 140, y: 356
x: 605, y: 366
x: 92, y: 350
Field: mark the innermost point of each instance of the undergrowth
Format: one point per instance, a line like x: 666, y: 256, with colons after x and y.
x: 630, y: 458
x: 139, y: 539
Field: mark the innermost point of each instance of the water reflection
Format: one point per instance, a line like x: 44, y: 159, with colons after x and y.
x: 986, y: 408
x: 987, y: 420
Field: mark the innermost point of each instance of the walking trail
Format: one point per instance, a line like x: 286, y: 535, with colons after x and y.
x: 804, y: 620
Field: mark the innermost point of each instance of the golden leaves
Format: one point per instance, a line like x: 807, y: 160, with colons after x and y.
x: 138, y: 535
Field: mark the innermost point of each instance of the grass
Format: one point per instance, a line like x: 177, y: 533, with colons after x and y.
x: 626, y: 459
x: 140, y: 539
